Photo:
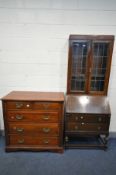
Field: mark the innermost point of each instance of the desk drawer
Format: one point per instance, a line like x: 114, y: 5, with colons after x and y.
x: 29, y: 140
x: 33, y: 116
x: 35, y: 129
x: 86, y: 127
x: 46, y: 106
x: 16, y: 105
x: 89, y: 118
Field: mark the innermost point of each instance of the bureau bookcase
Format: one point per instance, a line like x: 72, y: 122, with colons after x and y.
x: 87, y: 110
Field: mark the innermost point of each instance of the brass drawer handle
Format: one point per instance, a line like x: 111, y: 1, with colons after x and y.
x: 82, y: 123
x: 46, y: 141
x: 19, y: 105
x: 21, y: 141
x: 46, y: 130
x: 19, y: 117
x: 45, y: 117
x: 66, y: 139
x: 82, y: 117
x: 20, y: 129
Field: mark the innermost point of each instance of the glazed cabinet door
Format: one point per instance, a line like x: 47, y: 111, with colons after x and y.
x: 78, y: 66
x: 100, y: 67
x: 89, y: 64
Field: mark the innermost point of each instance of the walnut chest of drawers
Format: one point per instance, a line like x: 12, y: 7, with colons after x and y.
x: 87, y: 120
x: 33, y: 120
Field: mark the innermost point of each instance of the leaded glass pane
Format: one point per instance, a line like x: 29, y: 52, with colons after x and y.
x: 99, y: 66
x: 79, y: 65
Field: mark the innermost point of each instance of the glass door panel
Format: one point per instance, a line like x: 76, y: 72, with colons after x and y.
x: 99, y: 66
x: 79, y: 65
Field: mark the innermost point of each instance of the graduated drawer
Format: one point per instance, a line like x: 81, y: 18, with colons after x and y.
x: 72, y: 126
x: 32, y: 105
x: 89, y: 118
x: 29, y: 140
x: 34, y: 129
x: 18, y: 105
x: 46, y: 106
x: 33, y: 116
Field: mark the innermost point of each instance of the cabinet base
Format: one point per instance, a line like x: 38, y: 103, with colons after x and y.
x: 96, y: 142
x: 43, y: 149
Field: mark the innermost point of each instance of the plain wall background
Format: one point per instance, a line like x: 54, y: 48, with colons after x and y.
x: 34, y: 42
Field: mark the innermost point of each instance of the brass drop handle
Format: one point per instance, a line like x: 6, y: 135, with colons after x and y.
x: 19, y: 117
x: 66, y: 139
x: 21, y: 141
x: 46, y: 141
x: 46, y: 130
x: 45, y: 117
x: 20, y: 129
x: 19, y: 105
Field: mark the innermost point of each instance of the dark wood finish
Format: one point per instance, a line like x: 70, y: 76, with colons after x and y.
x: 86, y: 104
x: 33, y: 121
x: 92, y: 74
x: 87, y: 116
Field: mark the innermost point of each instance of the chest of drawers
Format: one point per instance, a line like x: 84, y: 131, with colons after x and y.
x: 86, y: 118
x: 33, y: 120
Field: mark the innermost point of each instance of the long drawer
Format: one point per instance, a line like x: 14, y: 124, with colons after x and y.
x: 89, y: 118
x: 34, y: 129
x: 24, y: 116
x: 29, y: 140
x: 72, y: 126
x: 32, y: 105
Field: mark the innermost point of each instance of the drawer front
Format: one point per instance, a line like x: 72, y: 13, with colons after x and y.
x: 35, y: 129
x: 46, y: 106
x: 33, y: 116
x: 87, y: 118
x: 86, y: 127
x: 18, y: 105
x: 28, y: 140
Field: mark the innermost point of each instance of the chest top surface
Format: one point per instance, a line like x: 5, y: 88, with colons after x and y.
x: 34, y: 96
x: 87, y: 104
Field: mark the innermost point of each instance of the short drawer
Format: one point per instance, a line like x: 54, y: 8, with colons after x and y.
x: 72, y: 126
x: 46, y: 106
x: 18, y: 105
x: 33, y: 116
x: 29, y: 140
x: 89, y: 118
x: 35, y: 129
